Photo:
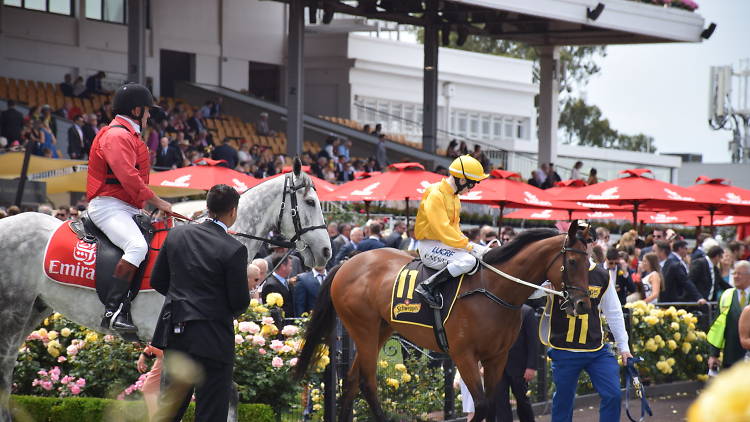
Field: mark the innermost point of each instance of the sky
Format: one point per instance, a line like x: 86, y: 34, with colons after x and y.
x: 661, y: 90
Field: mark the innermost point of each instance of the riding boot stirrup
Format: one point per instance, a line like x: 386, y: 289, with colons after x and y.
x: 427, y: 288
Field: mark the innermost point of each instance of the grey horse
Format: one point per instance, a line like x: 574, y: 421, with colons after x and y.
x: 27, y: 296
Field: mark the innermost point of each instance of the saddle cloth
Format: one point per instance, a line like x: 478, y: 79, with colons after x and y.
x: 88, y: 262
x: 407, y: 307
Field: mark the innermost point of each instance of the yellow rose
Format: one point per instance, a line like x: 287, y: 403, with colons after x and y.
x: 651, y: 345
x: 727, y: 393
x: 53, y: 351
x: 92, y: 337
x: 651, y: 320
x: 658, y: 338
x: 671, y: 361
x: 274, y: 299
x: 677, y: 336
x: 662, y: 366
x: 383, y: 364
x: 672, y: 344
x: 702, y: 377
x: 690, y: 337
x: 691, y: 326
x: 699, y: 358
x: 405, y: 377
x: 42, y: 332
x: 681, y: 312
x: 635, y: 321
x: 254, y: 302
x: 65, y: 332
x: 52, y: 335
x: 392, y: 382
x: 400, y: 367
x: 686, y: 347
x: 675, y: 326
x: 317, y: 407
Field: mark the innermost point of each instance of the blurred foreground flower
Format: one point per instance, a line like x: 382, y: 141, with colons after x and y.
x: 727, y: 394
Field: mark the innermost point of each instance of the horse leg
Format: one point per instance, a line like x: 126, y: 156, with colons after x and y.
x: 469, y: 369
x: 493, y: 374
x: 368, y: 374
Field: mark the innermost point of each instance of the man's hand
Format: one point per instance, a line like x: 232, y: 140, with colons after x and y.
x: 160, y: 204
x: 625, y: 356
x: 702, y: 301
x: 529, y: 374
x: 713, y: 362
x: 141, y: 365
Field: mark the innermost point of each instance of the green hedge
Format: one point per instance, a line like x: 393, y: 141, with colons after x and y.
x: 84, y: 409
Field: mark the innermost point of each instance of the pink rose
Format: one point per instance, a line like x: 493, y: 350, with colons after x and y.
x: 254, y: 328
x: 292, y: 361
x: 129, y: 391
x: 277, y: 362
x: 42, y: 372
x: 61, y: 359
x: 259, y: 341
x: 35, y: 382
x: 238, y: 339
x: 47, y: 385
x: 290, y: 330
x: 244, y: 327
x: 75, y: 390
x: 72, y: 350
x: 109, y: 338
x: 267, y: 320
x: 276, y: 345
x: 82, y: 382
x: 54, y: 373
x: 66, y: 379
x: 286, y: 349
x: 262, y: 351
x: 121, y: 396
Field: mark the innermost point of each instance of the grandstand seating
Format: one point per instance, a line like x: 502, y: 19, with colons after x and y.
x: 395, y: 137
x: 33, y: 93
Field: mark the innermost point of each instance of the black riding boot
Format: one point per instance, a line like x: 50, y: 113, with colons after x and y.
x: 117, y: 304
x: 427, y: 288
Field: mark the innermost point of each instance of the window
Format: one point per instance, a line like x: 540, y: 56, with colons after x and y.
x: 58, y: 7
x: 474, y: 125
x: 485, y: 126
x: 462, y: 124
x: 113, y: 11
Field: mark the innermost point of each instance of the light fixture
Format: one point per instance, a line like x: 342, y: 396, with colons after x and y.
x: 594, y: 13
x: 706, y: 34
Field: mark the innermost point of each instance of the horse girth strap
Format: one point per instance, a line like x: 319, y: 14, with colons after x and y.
x: 491, y: 296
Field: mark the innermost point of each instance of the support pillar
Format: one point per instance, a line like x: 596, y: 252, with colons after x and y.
x: 137, y: 41
x: 549, y: 107
x: 295, y: 83
x: 430, y: 80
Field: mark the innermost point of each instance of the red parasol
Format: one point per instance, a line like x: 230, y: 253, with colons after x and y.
x: 720, y: 196
x: 203, y: 177
x: 402, y: 181
x: 636, y: 191
x: 504, y: 174
x: 551, y: 214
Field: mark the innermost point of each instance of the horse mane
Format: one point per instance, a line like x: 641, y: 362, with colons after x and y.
x: 510, y: 249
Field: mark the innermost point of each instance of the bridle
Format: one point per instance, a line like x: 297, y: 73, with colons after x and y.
x: 567, y: 286
x: 290, y: 189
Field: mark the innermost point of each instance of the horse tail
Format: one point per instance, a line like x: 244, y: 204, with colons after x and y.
x: 319, y: 328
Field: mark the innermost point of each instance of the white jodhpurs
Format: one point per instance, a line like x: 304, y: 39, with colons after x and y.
x: 115, y: 218
x: 437, y: 255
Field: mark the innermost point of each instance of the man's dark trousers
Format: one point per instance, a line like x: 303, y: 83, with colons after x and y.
x: 519, y: 386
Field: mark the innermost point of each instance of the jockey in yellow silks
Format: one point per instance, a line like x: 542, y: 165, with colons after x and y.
x: 442, y: 245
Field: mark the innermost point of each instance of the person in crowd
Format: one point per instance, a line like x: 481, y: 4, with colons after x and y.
x: 79, y: 88
x: 534, y: 179
x: 652, y: 282
x: 409, y: 243
x: 657, y: 235
x: 597, y: 254
x: 396, y: 237
x: 116, y: 189
x: 262, y: 127
x: 575, y: 172
x: 333, y: 230
x: 520, y: 369
x: 442, y: 244
x: 346, y: 251
x: 617, y: 269
x: 699, y: 251
x: 90, y: 130
x: 94, y: 84
x: 167, y: 156
x: 347, y: 174
x: 679, y: 248
x: 366, y: 129
x: 602, y: 238
x: 76, y: 149
x: 61, y: 214
x: 278, y: 282
x: 344, y: 149
x: 253, y: 280
x: 724, y: 333
x: 329, y: 150
x: 463, y: 149
x: 262, y: 265
x: 552, y: 177
x: 732, y: 254
x: 217, y: 108
x: 202, y: 271
x: 318, y: 168
x: 278, y: 251
x: 483, y: 234
x: 69, y: 110
x: 74, y: 213
x: 226, y: 152
x: 381, y: 154
x: 48, y: 119
x: 373, y: 241
x: 480, y: 156
x: 195, y: 123
x: 507, y: 233
x: 206, y: 110
x: 152, y: 385
x: 452, y: 150
x: 106, y: 112
x: 586, y: 350
x: 474, y: 235
x: 378, y: 130
x: 306, y: 290
x: 705, y: 275
x: 66, y: 87
x: 541, y: 175
x: 593, y: 179
x: 342, y: 239
x: 12, y: 123
x: 677, y: 287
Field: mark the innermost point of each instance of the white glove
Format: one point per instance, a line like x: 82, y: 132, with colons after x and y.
x: 478, y: 250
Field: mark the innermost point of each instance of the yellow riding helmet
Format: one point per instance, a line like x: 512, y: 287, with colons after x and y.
x: 467, y: 167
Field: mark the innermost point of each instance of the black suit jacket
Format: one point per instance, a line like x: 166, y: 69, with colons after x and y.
x: 700, y: 276
x: 525, y: 350
x: 75, y: 143
x: 89, y: 133
x: 12, y: 124
x: 226, y: 152
x: 305, y: 293
x: 370, y: 244
x: 202, y: 271
x: 677, y: 287
x: 623, y: 284
x: 393, y: 240
x: 172, y: 157
x: 273, y: 285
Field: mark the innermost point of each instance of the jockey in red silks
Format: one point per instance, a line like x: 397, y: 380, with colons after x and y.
x: 116, y: 189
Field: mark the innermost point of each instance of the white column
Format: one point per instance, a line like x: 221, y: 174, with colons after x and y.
x: 549, y: 75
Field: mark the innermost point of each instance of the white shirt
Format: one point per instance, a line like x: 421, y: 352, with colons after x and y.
x: 220, y: 224
x: 316, y: 275
x: 80, y: 132
x: 132, y: 122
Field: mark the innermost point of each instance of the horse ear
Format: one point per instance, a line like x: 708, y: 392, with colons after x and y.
x: 572, y: 230
x: 297, y: 166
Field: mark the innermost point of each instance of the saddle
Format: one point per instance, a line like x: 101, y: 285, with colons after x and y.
x: 407, y: 307
x: 107, y: 254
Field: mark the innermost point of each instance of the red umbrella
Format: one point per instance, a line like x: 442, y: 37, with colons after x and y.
x: 504, y: 174
x: 324, y: 188
x: 721, y: 196
x: 203, y: 177
x: 551, y: 214
x: 571, y: 183
x: 636, y: 191
x: 402, y: 181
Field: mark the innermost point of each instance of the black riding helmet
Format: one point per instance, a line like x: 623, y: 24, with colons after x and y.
x: 130, y: 96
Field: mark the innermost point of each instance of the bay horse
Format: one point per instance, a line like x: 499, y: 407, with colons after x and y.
x: 27, y: 296
x: 478, y: 330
